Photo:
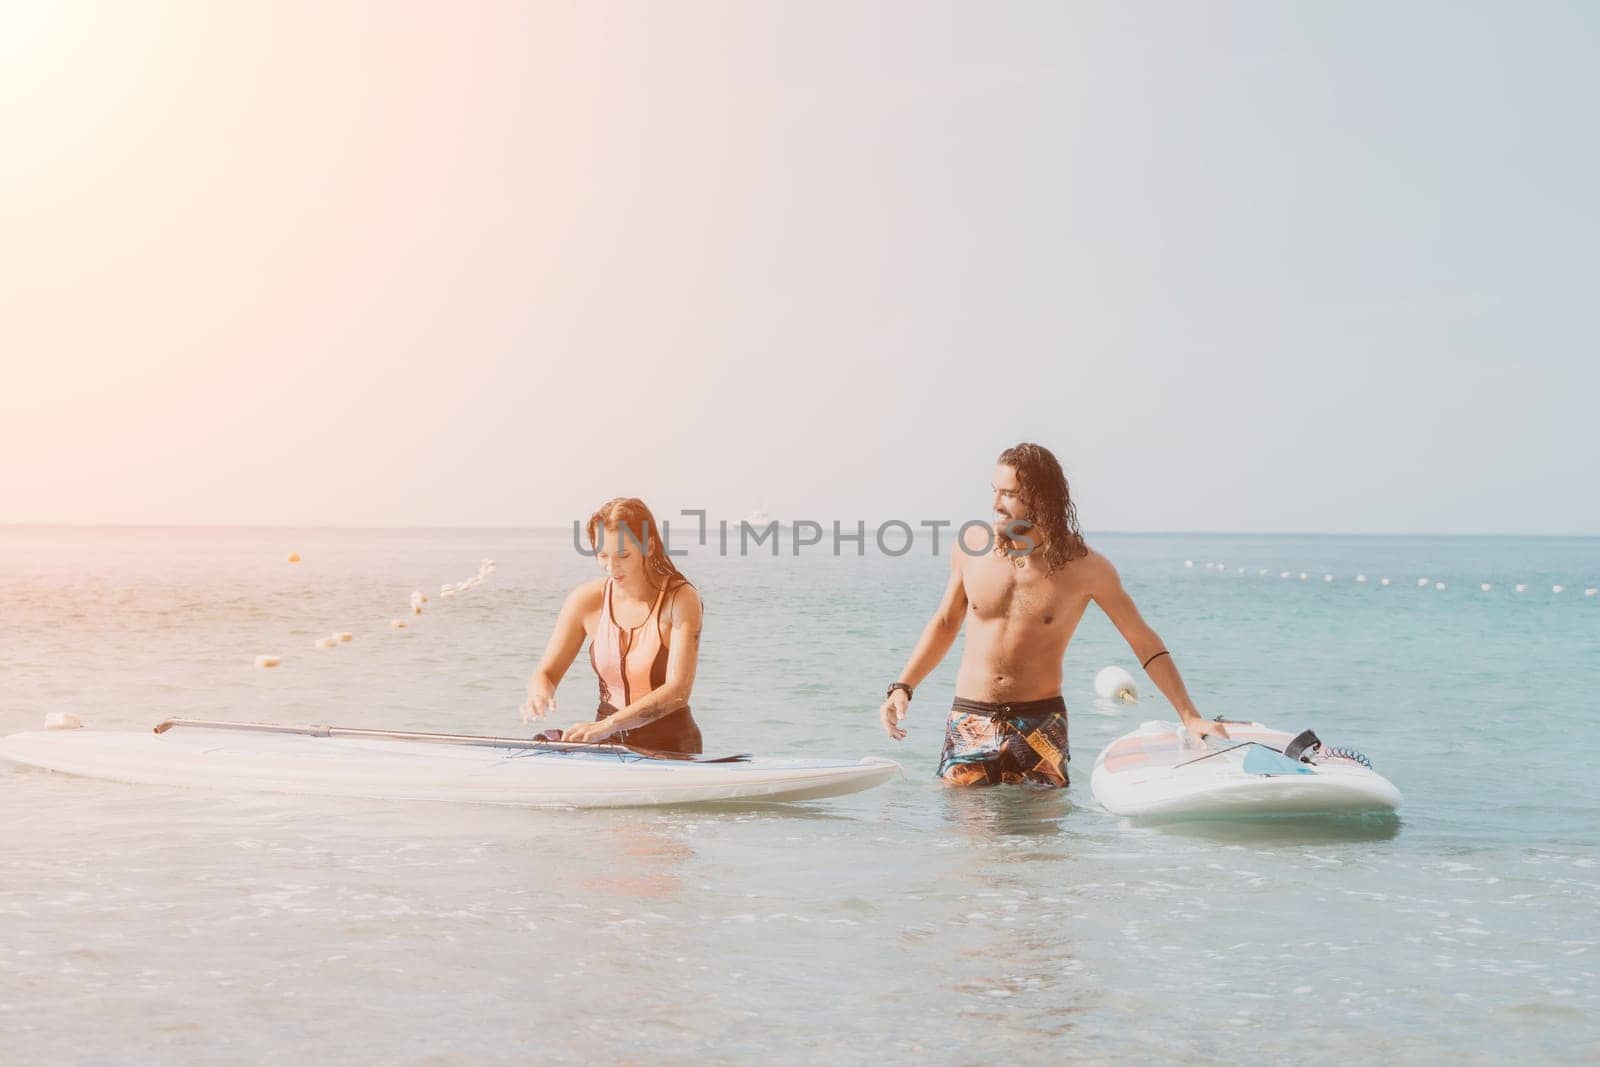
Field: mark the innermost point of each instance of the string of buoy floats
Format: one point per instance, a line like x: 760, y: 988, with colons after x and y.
x: 1362, y: 579
x: 447, y: 591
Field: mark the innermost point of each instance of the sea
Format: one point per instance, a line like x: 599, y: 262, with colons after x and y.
x: 910, y: 923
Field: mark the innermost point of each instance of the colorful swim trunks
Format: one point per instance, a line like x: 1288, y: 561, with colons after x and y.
x: 990, y: 744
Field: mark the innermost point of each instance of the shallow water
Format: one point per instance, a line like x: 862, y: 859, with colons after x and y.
x: 144, y: 924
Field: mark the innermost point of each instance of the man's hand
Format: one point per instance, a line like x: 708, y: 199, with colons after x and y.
x: 540, y: 702
x: 588, y: 731
x: 1200, y: 729
x: 893, y: 712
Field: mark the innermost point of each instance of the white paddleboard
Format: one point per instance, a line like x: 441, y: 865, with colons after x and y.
x: 493, y: 771
x: 1159, y: 771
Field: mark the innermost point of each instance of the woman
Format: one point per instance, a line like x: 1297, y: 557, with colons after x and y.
x: 643, y: 625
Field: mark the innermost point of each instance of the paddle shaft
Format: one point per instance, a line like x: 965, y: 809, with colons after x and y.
x: 317, y: 730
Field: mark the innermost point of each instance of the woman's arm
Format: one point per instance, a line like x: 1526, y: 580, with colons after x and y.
x: 561, y: 650
x: 683, y: 658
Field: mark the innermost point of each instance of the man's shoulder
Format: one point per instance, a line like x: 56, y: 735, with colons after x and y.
x: 971, y: 547
x: 1092, y: 558
x: 1091, y: 568
x: 976, y: 540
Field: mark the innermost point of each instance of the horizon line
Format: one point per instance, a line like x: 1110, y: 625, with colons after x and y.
x: 565, y: 525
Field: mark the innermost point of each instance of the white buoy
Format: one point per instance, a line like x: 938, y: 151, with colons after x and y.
x: 1327, y: 577
x: 1285, y: 574
x: 1383, y: 581
x: 327, y: 642
x: 398, y: 624
x: 1188, y: 563
x: 1521, y: 588
x: 1558, y: 588
x: 1590, y: 592
x: 1422, y: 583
x: 1114, y: 683
x: 62, y: 720
x: 1361, y: 577
x: 268, y: 662
x: 1439, y: 586
x: 417, y: 600
x: 1486, y: 586
x: 346, y: 636
x: 1262, y: 571
x: 1303, y: 576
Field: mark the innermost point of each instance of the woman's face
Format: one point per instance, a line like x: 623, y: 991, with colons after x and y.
x: 620, y: 555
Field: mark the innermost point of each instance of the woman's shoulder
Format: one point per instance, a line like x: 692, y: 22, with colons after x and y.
x: 588, y: 596
x: 682, y: 599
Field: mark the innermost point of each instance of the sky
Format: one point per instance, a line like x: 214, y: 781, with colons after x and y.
x: 1244, y: 266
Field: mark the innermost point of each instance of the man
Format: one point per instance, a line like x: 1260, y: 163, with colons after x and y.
x: 1021, y: 593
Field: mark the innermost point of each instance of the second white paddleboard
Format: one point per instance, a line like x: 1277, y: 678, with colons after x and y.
x: 1158, y: 771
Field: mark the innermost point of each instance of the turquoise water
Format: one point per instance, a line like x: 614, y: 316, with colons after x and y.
x: 143, y: 924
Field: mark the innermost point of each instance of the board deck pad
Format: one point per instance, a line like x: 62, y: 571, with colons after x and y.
x: 1159, y: 770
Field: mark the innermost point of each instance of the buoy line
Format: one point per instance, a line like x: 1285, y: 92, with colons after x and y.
x: 1423, y: 582
x: 448, y: 591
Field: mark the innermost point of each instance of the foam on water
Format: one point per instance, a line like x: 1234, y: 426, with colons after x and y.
x: 146, y: 924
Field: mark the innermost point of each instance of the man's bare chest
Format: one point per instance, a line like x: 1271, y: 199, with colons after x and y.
x: 998, y: 589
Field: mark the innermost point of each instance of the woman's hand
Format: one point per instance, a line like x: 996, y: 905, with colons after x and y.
x: 541, y: 701
x: 589, y: 732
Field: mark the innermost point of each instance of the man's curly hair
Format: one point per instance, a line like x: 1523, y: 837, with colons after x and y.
x: 1049, y: 503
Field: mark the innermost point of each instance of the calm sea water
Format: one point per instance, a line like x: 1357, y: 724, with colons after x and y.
x: 144, y: 925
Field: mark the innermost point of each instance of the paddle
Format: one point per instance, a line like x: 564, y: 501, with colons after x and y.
x: 446, y: 739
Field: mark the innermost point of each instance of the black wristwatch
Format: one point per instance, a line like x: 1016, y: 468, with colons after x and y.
x: 899, y: 685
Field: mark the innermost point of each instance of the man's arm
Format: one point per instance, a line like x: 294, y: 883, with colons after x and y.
x: 936, y: 639
x: 1106, y: 590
